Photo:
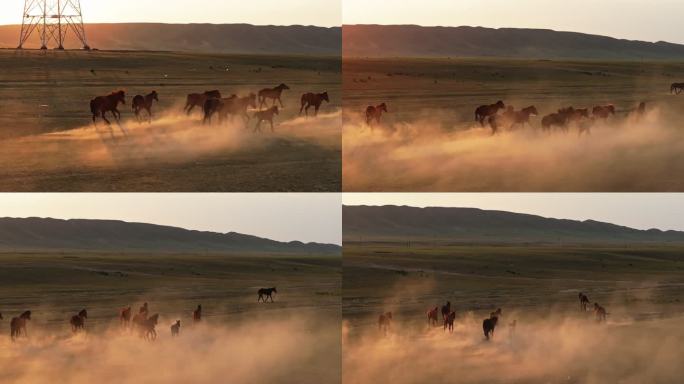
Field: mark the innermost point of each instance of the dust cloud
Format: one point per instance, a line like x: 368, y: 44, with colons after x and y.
x: 276, y: 349
x: 623, y: 154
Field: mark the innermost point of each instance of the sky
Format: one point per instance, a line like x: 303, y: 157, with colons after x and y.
x: 283, y: 217
x: 641, y: 211
x: 651, y: 20
x: 262, y: 12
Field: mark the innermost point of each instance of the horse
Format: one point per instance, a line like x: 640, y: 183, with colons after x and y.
x: 639, y: 112
x: 446, y: 309
x: 197, y: 99
x: 449, y: 321
x: 144, y: 310
x: 18, y: 324
x: 175, y: 328
x: 432, y: 316
x: 125, y: 316
x: 677, y: 88
x: 272, y: 93
x: 147, y: 326
x: 266, y: 293
x: 384, y: 322
x: 144, y: 102
x: 558, y: 119
x: 100, y: 105
x: 266, y: 115
x: 484, y: 111
x: 213, y: 106
x: 488, y: 326
x: 496, y: 313
x: 375, y: 113
x: 584, y: 301
x: 78, y: 321
x: 238, y: 106
x: 513, y: 118
x: 313, y: 100
x: 197, y: 314
x: 603, y: 111
x: 600, y: 313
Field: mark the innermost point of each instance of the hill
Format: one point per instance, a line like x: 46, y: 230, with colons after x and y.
x: 41, y: 234
x: 210, y: 38
x: 417, y: 41
x: 471, y: 225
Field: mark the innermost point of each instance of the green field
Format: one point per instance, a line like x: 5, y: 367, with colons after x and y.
x: 50, y: 143
x: 429, y: 140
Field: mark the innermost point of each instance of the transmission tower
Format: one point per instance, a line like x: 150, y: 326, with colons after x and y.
x: 51, y: 20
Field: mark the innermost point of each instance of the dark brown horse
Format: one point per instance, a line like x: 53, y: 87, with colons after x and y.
x: 266, y: 115
x: 384, y: 322
x: 313, y: 100
x: 484, y: 111
x: 147, y: 326
x: 214, y: 106
x: 141, y: 102
x: 273, y: 94
x: 144, y: 310
x: 446, y: 309
x: 488, y: 326
x: 584, y: 301
x: 238, y: 107
x: 18, y: 324
x: 449, y: 321
x: 677, y: 88
x: 432, y: 316
x: 100, y: 105
x: 78, y: 321
x: 125, y: 316
x: 266, y: 293
x: 197, y: 99
x: 512, y: 118
x: 559, y: 119
x: 175, y: 329
x: 603, y: 111
x: 197, y: 314
x: 375, y: 113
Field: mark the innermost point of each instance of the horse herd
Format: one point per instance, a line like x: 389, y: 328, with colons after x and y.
x: 212, y: 104
x: 489, y: 324
x: 141, y: 322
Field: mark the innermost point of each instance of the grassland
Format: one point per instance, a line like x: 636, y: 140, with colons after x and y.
x: 429, y: 140
x: 50, y: 144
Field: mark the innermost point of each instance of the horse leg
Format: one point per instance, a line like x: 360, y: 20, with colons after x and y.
x: 105, y: 118
x: 271, y: 121
x: 301, y: 109
x: 149, y: 114
x: 281, y: 102
x: 316, y: 108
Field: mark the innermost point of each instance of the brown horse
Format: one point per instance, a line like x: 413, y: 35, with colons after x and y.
x: 446, y: 309
x: 600, y: 313
x: 273, y: 94
x: 144, y: 310
x: 484, y: 111
x: 18, y: 324
x: 603, y: 111
x: 677, y: 88
x: 266, y: 115
x: 197, y: 314
x: 313, y: 100
x: 432, y: 316
x: 125, y: 316
x: 512, y: 118
x: 197, y: 99
x: 375, y: 113
x: 141, y: 102
x: 175, y: 329
x: 266, y: 293
x: 78, y: 321
x: 214, y: 106
x: 488, y: 326
x: 100, y: 105
x: 384, y: 322
x: 238, y: 107
x: 558, y: 119
x: 584, y: 301
x: 146, y: 326
x: 449, y: 321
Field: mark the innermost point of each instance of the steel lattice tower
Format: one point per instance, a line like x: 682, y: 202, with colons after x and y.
x: 52, y: 19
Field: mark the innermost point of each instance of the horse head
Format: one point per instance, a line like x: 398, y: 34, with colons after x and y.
x: 611, y: 109
x: 282, y: 87
x: 120, y: 97
x: 383, y: 107
x: 324, y: 95
x: 252, y: 100
x: 83, y: 314
x: 531, y: 110
x: 26, y: 315
x: 155, y: 95
x: 500, y: 104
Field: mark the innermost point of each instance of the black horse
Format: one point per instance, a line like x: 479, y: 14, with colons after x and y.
x: 266, y: 293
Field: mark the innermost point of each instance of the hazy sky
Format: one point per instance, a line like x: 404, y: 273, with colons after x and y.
x: 284, y: 216
x: 277, y: 12
x: 642, y: 211
x: 650, y: 20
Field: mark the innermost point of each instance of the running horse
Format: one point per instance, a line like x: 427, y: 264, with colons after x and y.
x: 146, y: 326
x: 238, y: 107
x: 198, y: 99
x: 375, y: 113
x: 266, y: 115
x: 100, y: 105
x: 384, y: 322
x: 313, y: 100
x: 266, y: 293
x: 512, y: 118
x: 125, y: 316
x: 214, y: 106
x: 273, y: 94
x: 584, y: 301
x: 449, y: 322
x: 484, y: 111
x: 488, y: 325
x: 677, y: 88
x: 175, y: 328
x: 18, y: 324
x: 446, y: 309
x: 78, y: 321
x: 559, y: 119
x: 197, y: 314
x: 603, y: 111
x: 600, y: 313
x: 141, y: 102
x: 432, y: 316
